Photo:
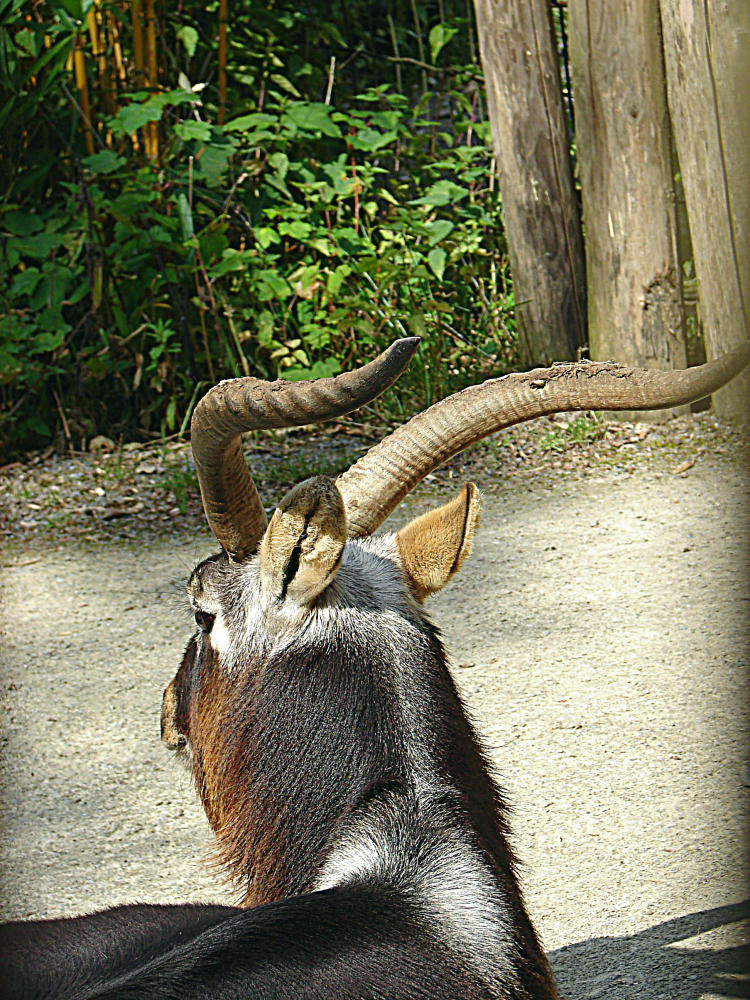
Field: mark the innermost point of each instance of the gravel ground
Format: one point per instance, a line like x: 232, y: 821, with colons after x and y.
x: 599, y: 634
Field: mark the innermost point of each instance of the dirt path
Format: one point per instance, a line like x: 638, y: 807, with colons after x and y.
x: 599, y: 634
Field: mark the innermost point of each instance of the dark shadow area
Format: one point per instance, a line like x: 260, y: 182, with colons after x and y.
x: 651, y: 965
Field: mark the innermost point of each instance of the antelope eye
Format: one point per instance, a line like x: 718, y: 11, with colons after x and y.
x: 204, y: 620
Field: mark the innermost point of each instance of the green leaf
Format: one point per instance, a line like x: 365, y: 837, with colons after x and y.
x: 287, y: 85
x: 320, y: 369
x: 187, y: 130
x: 280, y: 164
x: 231, y: 260
x: 103, y: 162
x: 21, y: 223
x: 305, y: 281
x: 265, y: 328
x: 417, y: 324
x: 387, y: 196
x: 189, y: 38
x: 311, y: 116
x: 297, y: 230
x: 186, y: 216
x: 369, y: 139
x: 52, y: 322
x: 60, y: 51
x: 171, y: 414
x: 437, y: 230
x: 25, y: 282
x: 27, y: 41
x: 265, y: 236
x: 38, y: 298
x: 134, y: 116
x: 213, y: 161
x: 442, y: 193
x: 436, y: 259
x: 120, y: 320
x: 247, y: 123
x: 350, y: 240
x: 336, y: 279
x: 272, y: 286
x: 41, y: 245
x: 180, y: 95
x: 439, y: 37
x: 75, y: 8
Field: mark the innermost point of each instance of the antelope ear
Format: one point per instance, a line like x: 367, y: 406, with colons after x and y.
x: 302, y: 545
x: 434, y: 545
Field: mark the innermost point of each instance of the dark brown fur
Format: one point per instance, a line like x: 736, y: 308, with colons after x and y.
x: 288, y: 747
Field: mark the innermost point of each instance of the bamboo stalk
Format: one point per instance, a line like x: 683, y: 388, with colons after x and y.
x: 138, y: 63
x: 152, y: 80
x: 79, y: 65
x: 113, y: 30
x: 223, y: 17
x: 136, y: 17
x: 98, y: 50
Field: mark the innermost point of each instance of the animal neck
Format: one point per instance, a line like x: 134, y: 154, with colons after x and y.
x: 311, y: 735
x: 276, y: 775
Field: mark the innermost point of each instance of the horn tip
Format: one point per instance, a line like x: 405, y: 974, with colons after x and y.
x: 408, y: 343
x: 404, y: 349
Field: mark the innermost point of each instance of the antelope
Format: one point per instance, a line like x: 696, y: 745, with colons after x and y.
x: 348, y: 791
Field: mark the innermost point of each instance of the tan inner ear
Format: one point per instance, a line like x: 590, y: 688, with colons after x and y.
x: 434, y: 545
x: 301, y: 549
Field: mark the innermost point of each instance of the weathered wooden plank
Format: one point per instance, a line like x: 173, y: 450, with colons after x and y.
x: 530, y: 137
x: 707, y: 54
x: 635, y: 311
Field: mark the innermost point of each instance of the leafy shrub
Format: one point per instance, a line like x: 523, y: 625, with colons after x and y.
x: 293, y: 240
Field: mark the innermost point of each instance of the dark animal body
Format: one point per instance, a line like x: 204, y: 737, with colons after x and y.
x: 349, y: 794
x: 350, y: 943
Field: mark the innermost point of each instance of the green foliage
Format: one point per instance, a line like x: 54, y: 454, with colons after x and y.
x: 182, y: 481
x: 294, y: 241
x: 582, y: 429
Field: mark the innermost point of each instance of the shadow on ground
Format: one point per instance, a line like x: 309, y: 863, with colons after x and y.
x: 656, y: 964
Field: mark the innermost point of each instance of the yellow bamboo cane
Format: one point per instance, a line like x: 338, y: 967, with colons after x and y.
x: 113, y: 30
x: 152, y: 80
x: 98, y: 50
x: 136, y: 17
x: 79, y: 65
x: 137, y: 21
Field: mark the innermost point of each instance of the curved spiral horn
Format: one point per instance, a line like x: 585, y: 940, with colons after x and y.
x: 378, y: 481
x: 233, y: 508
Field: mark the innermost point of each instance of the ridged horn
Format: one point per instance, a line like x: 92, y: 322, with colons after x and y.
x: 378, y: 481
x: 233, y: 508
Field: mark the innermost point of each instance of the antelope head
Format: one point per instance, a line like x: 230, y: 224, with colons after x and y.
x: 302, y: 622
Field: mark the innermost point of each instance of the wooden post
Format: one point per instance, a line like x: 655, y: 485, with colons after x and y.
x: 531, y: 142
x: 623, y: 143
x: 706, y: 47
